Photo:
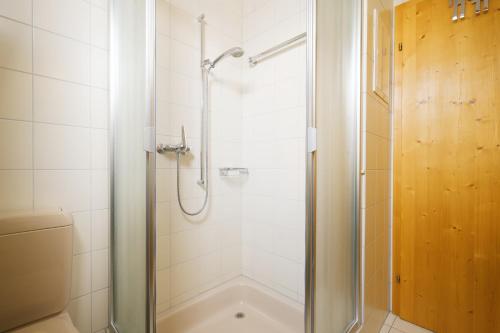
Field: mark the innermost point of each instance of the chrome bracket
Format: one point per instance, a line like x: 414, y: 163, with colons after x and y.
x: 311, y: 139
x: 149, y: 139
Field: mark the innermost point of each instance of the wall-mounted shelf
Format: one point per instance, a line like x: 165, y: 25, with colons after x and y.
x: 233, y: 172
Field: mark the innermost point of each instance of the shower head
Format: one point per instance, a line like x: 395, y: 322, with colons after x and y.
x: 235, y: 52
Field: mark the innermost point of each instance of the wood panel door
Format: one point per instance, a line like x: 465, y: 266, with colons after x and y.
x: 447, y: 168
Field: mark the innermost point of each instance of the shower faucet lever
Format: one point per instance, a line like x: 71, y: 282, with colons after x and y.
x: 183, y: 139
x: 181, y: 148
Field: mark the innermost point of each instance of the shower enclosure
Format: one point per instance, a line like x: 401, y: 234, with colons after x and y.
x: 235, y: 163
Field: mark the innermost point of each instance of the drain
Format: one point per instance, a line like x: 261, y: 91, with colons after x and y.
x: 239, y: 315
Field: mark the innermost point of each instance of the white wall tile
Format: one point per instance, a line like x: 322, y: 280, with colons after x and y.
x: 285, y: 273
x: 99, y: 27
x: 100, y: 229
x: 100, y: 310
x: 99, y: 68
x: 163, y: 278
x: 184, y: 277
x: 163, y: 252
x: 67, y: 189
x: 184, y: 58
x: 217, y: 239
x: 99, y: 148
x: 15, y: 144
x: 81, y: 232
x: 99, y: 106
x: 16, y: 192
x: 162, y: 84
x: 184, y: 27
x: 63, y: 106
x: 163, y: 17
x: 81, y: 279
x: 287, y: 8
x: 80, y: 310
x: 61, y: 57
x: 100, y: 189
x: 211, y: 269
x: 251, y: 5
x: 69, y: 18
x: 273, y: 234
x: 100, y: 269
x: 286, y: 242
x: 163, y: 51
x: 231, y: 261
x: 185, y: 245
x: 15, y: 45
x: 61, y: 102
x: 188, y: 7
x: 19, y: 10
x: 15, y: 95
x: 61, y: 147
x: 163, y: 184
x: 259, y: 21
x: 100, y: 3
x: 163, y: 218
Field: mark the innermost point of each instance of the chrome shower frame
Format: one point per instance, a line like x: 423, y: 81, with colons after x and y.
x: 310, y: 179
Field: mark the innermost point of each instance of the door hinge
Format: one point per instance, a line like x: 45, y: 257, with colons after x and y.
x: 398, y: 278
x: 311, y: 139
x: 400, y: 47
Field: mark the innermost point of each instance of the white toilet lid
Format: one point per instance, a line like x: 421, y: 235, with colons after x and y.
x: 60, y: 323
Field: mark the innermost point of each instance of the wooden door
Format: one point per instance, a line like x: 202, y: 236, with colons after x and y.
x: 447, y: 168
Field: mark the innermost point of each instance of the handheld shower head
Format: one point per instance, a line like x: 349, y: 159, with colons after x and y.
x: 235, y: 52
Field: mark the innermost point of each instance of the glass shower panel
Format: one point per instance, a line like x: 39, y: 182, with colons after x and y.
x: 130, y: 164
x: 338, y: 32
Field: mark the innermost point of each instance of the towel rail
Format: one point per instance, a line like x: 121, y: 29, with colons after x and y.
x: 257, y: 58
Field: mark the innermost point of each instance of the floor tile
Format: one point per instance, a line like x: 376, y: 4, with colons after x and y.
x: 385, y: 329
x: 395, y: 330
x: 391, y: 317
x: 407, y: 327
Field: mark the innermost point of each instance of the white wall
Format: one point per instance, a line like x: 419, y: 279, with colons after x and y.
x: 273, y: 131
x: 196, y: 253
x: 53, y: 131
x: 241, y: 232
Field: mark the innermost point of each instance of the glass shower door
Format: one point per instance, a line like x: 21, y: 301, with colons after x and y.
x: 132, y: 169
x: 333, y: 171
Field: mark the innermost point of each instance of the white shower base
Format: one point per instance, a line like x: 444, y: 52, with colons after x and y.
x: 216, y: 311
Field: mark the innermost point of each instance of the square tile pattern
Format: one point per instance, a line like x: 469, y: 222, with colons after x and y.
x: 255, y: 224
x: 53, y: 131
x: 394, y: 324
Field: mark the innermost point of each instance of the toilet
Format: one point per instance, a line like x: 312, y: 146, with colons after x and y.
x: 36, y: 250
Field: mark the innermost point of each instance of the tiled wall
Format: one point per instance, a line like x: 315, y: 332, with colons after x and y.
x: 257, y: 119
x: 53, y: 131
x: 377, y: 184
x: 196, y: 253
x: 273, y: 131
